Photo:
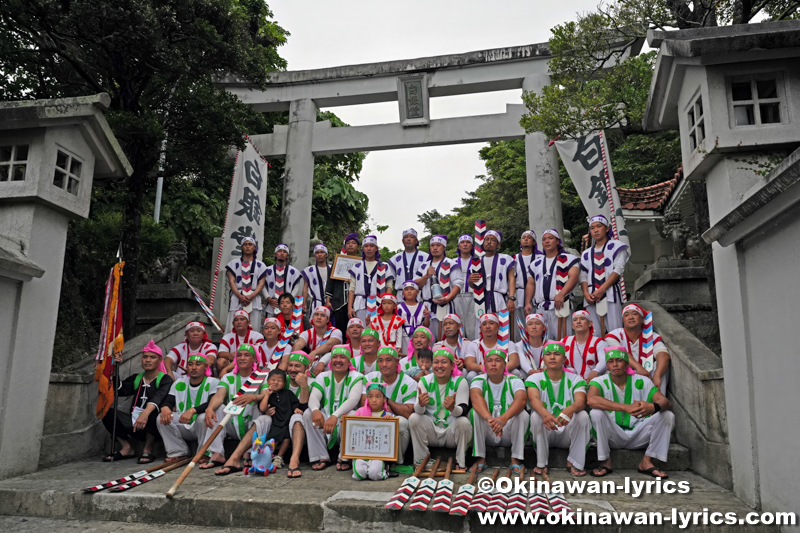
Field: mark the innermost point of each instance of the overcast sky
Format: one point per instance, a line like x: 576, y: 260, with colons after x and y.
x: 329, y: 33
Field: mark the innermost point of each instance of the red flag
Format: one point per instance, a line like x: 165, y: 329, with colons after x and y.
x: 111, y: 341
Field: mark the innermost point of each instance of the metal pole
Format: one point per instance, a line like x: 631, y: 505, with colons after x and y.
x: 159, y: 186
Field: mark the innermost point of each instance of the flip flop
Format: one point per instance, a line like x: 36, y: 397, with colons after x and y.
x: 322, y: 464
x: 650, y: 473
x: 231, y: 470
x: 343, y: 466
x: 211, y: 464
x: 604, y: 469
x: 515, y: 469
x: 541, y: 471
x: 117, y: 457
x: 146, y: 458
x: 291, y: 471
x: 481, y: 467
x: 573, y: 471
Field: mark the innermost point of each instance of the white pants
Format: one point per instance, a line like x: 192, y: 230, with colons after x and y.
x: 613, y: 318
x: 513, y: 435
x: 231, y: 429
x: 264, y: 423
x: 318, y: 440
x: 574, y: 436
x: 405, y: 438
x: 374, y: 469
x: 364, y: 316
x: 552, y: 323
x: 653, y: 432
x: 425, y: 433
x: 465, y: 308
x: 176, y: 435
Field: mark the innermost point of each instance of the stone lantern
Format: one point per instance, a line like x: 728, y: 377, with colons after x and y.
x: 50, y: 151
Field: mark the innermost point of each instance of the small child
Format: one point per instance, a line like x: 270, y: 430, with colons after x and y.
x: 389, y: 324
x: 424, y: 361
x: 280, y: 403
x: 374, y: 469
x: 414, y: 313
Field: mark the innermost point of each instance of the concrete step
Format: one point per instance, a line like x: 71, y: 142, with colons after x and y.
x: 327, y: 501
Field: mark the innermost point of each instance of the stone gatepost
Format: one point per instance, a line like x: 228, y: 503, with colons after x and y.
x: 50, y: 151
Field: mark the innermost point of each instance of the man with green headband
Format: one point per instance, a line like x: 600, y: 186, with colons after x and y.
x: 298, y: 384
x: 629, y: 412
x: 187, y: 399
x: 229, y: 384
x: 440, y: 410
x: 558, y: 411
x: 401, y: 391
x: 498, y: 411
x: 334, y: 393
x: 368, y: 360
x: 420, y: 339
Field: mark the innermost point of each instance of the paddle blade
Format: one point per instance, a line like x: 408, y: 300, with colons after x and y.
x: 403, y: 494
x: 443, y: 496
x: 463, y: 500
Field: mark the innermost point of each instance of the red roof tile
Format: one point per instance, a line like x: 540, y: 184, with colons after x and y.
x: 653, y: 197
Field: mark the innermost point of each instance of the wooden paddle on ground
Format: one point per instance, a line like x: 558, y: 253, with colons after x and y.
x: 499, y: 501
x: 424, y: 494
x: 407, y: 488
x: 149, y: 477
x: 481, y: 500
x: 464, y: 496
x: 518, y: 500
x: 444, y: 492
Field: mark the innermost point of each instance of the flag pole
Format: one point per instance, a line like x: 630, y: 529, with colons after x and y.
x: 111, y: 348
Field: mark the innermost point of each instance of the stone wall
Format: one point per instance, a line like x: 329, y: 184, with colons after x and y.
x: 71, y: 429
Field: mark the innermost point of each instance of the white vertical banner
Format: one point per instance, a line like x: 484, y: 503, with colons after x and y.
x: 245, y: 218
x: 588, y: 165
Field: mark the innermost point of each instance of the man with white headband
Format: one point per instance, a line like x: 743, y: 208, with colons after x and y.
x: 527, y: 252
x: 476, y: 351
x: 629, y: 413
x: 197, y: 341
x: 498, y: 274
x: 452, y: 339
x: 281, y: 278
x: 363, y: 279
x: 401, y: 391
x: 632, y: 338
x: 464, y: 304
x: 242, y: 333
x: 439, y: 273
x: 408, y: 262
x: 267, y: 358
x: 602, y: 267
x: 413, y: 312
x: 551, y: 278
x: 585, y: 352
x: 315, y: 278
x: 558, y: 411
x: 321, y: 337
x: 530, y: 348
x: 246, y: 277
x: 498, y: 411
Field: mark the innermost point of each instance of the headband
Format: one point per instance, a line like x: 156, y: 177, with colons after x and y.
x: 445, y: 352
x: 369, y: 332
x: 536, y: 316
x: 410, y: 231
x: 242, y: 312
x: 494, y: 233
x: 320, y: 247
x: 617, y: 352
x: 465, y: 238
x: 581, y: 313
x: 388, y: 350
x: 322, y: 309
x: 198, y: 357
x: 389, y: 297
x: 633, y: 307
x: 370, y: 239
x: 555, y: 346
x: 195, y: 324
x: 272, y: 320
x: 498, y: 352
x: 424, y: 330
x: 247, y: 238
x: 376, y: 386
x: 246, y: 348
x: 341, y: 349
x: 489, y: 316
x: 411, y: 283
x: 599, y: 218
x: 552, y: 232
x: 439, y: 239
x: 300, y: 357
x: 283, y: 247
x: 452, y: 316
x: 152, y: 347
x: 529, y: 232
x: 355, y: 321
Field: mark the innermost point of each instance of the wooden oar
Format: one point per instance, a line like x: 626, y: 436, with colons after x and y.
x: 518, y: 500
x: 481, y: 501
x: 499, y: 501
x: 558, y: 502
x: 407, y: 488
x: 444, y: 492
x: 424, y: 494
x: 149, y: 477
x: 125, y: 479
x: 538, y: 500
x: 464, y: 495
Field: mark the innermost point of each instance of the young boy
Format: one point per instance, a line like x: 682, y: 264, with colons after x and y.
x: 414, y: 313
x: 374, y: 469
x: 424, y: 362
x: 280, y: 403
x: 389, y: 324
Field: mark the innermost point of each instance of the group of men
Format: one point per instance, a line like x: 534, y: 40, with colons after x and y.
x: 565, y: 377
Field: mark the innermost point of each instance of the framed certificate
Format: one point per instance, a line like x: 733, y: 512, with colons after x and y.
x: 366, y: 437
x: 342, y: 265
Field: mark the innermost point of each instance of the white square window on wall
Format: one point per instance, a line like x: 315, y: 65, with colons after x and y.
x: 756, y: 100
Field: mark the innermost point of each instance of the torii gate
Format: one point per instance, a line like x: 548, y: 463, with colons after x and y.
x: 411, y: 83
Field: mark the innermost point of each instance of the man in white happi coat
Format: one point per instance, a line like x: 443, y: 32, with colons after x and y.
x: 629, y: 413
x: 558, y: 411
x: 527, y: 253
x: 407, y: 263
x: 182, y: 413
x: 499, y: 278
x: 242, y: 333
x: 315, y: 279
x: 631, y: 336
x: 602, y: 266
x: 465, y: 301
x: 530, y: 349
x: 196, y: 341
x: 498, y: 411
x: 364, y: 277
x: 246, y: 277
x: 439, y: 272
x: 453, y: 341
x: 268, y: 356
x: 334, y: 394
x: 401, y: 392
x: 320, y: 338
x: 474, y: 355
x: 281, y: 278
x: 585, y: 352
x: 440, y: 410
x: 552, y: 276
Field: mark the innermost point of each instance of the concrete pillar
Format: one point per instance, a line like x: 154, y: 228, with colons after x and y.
x: 298, y: 183
x: 541, y: 163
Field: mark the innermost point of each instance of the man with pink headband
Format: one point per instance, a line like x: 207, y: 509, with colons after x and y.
x: 197, y: 341
x: 476, y: 351
x: 585, y: 352
x: 316, y: 277
x: 464, y: 305
x: 363, y: 279
x: 407, y: 263
x: 527, y: 253
x: 241, y: 333
x: 498, y: 275
x: 630, y: 336
x: 281, y: 278
x: 602, y: 267
x: 355, y: 333
x: 442, y: 272
x: 245, y: 276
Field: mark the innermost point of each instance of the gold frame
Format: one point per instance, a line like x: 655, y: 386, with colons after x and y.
x: 336, y: 260
x: 389, y: 420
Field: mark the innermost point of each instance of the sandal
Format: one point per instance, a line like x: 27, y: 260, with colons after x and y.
x: 146, y: 458
x: 343, y: 466
x: 319, y: 466
x: 650, y: 472
x: 277, y: 461
x: 604, y: 471
x: 574, y: 472
x: 117, y: 457
x: 480, y: 467
x: 541, y: 471
x: 211, y: 464
x: 175, y: 459
x: 515, y: 469
x: 291, y: 471
x: 231, y: 470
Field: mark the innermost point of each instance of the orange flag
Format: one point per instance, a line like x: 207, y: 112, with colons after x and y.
x: 111, y: 341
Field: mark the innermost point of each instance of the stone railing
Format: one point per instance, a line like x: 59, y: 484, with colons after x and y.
x: 71, y: 429
x: 697, y: 392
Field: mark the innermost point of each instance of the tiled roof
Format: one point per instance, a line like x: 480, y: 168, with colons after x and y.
x: 653, y: 197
